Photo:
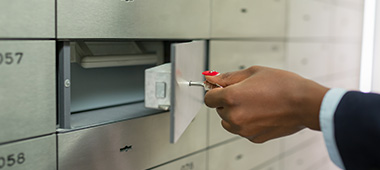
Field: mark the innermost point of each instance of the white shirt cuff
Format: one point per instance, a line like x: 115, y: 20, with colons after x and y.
x: 326, y: 118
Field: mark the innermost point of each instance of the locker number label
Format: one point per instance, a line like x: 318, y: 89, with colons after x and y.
x: 10, y: 58
x: 188, y: 166
x: 12, y: 160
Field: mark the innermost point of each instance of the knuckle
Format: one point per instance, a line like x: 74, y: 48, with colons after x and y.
x: 207, y: 100
x: 226, y: 75
x: 258, y: 140
x: 253, y: 69
x: 245, y: 134
x: 237, y: 120
x: 228, y: 127
x: 210, y: 99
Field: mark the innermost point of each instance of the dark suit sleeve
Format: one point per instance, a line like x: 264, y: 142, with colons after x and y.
x: 357, y: 130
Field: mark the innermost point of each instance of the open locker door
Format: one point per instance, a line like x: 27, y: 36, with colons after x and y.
x: 167, y: 86
x: 188, y: 63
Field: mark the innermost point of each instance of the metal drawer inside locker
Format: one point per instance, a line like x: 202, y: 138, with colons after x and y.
x: 100, y: 84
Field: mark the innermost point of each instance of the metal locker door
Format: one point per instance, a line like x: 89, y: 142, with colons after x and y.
x: 188, y: 63
x: 168, y: 86
x: 27, y: 100
x: 27, y: 19
x: 37, y: 154
x: 139, y: 19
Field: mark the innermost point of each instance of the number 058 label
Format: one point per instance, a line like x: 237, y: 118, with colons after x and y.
x: 12, y: 160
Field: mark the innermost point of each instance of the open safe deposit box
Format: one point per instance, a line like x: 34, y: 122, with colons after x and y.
x: 123, y: 82
x: 103, y: 82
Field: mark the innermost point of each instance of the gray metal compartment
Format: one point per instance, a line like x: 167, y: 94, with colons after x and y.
x: 28, y: 93
x: 27, y: 19
x: 165, y: 19
x: 99, y: 147
x: 37, y: 153
x: 242, y: 19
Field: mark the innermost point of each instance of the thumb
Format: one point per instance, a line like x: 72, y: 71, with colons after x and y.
x: 229, y: 78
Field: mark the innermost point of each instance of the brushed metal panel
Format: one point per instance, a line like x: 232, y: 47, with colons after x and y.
x: 98, y: 148
x: 38, y: 153
x: 27, y: 19
x: 242, y: 154
x: 189, y: 61
x: 310, y: 59
x: 347, y: 23
x: 226, y: 56
x: 217, y: 133
x: 234, y: 55
x: 273, y: 166
x: 316, y: 156
x: 248, y: 19
x: 350, y: 82
x: 324, y: 62
x: 309, y: 19
x: 136, y: 19
x: 28, y: 94
x: 345, y: 57
x: 293, y: 141
x: 193, y: 162
x: 350, y: 4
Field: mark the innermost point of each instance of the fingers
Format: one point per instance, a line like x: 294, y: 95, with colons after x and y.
x: 263, y: 137
x: 273, y: 134
x: 223, y: 113
x: 214, y: 98
x: 228, y: 127
x: 226, y: 79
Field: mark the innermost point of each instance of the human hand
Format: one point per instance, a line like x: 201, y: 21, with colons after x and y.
x: 261, y: 103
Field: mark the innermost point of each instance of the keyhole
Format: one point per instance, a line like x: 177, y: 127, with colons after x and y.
x: 126, y: 148
x: 275, y: 48
x: 299, y: 162
x: 306, y: 17
x: 238, y: 157
x: 304, y: 61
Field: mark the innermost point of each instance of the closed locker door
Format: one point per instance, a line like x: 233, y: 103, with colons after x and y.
x: 28, y: 93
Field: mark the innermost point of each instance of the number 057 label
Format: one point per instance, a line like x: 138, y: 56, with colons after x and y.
x: 10, y: 58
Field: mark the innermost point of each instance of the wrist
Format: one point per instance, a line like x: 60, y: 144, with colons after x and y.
x: 313, y: 98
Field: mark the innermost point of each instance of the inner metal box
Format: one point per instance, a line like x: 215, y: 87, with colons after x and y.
x: 103, y: 82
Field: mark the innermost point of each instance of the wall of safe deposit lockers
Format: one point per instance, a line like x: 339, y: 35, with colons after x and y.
x: 50, y: 123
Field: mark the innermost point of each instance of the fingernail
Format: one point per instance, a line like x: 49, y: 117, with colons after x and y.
x: 211, y: 73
